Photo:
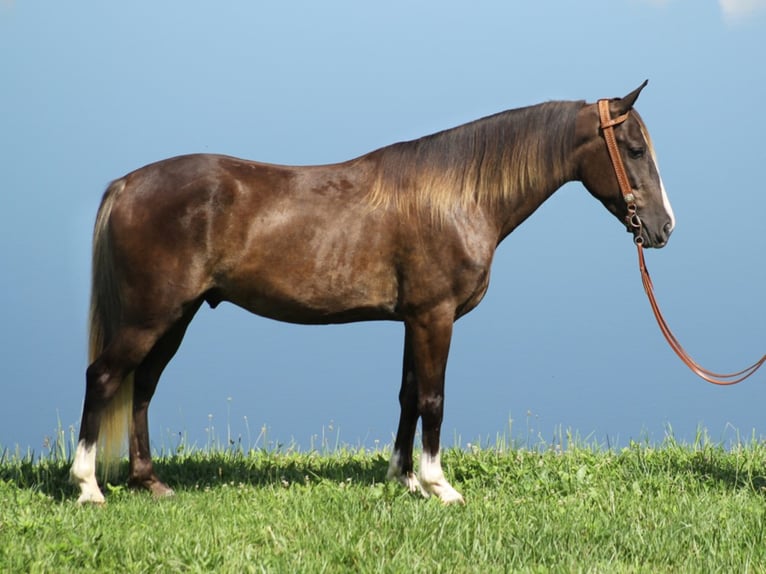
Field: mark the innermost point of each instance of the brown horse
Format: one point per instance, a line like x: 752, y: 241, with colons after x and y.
x: 404, y: 233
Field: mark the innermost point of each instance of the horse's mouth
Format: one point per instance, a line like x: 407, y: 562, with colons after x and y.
x: 643, y: 238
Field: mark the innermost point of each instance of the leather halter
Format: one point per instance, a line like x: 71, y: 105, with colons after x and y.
x: 634, y: 222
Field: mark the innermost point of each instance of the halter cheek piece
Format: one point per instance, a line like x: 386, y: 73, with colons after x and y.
x: 632, y: 220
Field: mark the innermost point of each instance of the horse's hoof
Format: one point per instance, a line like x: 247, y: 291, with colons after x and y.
x: 158, y: 488
x: 91, y: 498
x: 163, y: 492
x: 453, y: 497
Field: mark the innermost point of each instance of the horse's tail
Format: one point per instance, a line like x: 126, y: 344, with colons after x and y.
x: 104, y: 317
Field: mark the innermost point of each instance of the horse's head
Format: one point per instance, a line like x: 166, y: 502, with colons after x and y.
x: 655, y: 220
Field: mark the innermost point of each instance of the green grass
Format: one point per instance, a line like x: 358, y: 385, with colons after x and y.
x: 671, y: 508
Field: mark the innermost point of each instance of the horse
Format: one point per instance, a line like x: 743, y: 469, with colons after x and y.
x: 404, y: 233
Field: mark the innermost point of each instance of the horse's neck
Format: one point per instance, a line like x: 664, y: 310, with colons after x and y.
x: 517, y: 208
x: 538, y: 159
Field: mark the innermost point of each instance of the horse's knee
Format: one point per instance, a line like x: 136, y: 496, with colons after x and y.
x: 431, y: 408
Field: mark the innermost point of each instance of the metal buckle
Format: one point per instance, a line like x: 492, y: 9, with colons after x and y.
x: 634, y: 223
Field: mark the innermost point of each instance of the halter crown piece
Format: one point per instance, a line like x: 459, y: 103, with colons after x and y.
x: 633, y: 222
x: 607, y: 128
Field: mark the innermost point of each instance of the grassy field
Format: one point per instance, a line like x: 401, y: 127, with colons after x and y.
x: 671, y: 508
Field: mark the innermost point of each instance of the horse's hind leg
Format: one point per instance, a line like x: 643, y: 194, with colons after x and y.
x: 146, y: 377
x: 103, y: 380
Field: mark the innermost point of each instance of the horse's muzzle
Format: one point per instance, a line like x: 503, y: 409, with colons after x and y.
x: 643, y: 236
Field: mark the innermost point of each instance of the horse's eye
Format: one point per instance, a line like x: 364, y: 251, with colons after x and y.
x: 636, y: 152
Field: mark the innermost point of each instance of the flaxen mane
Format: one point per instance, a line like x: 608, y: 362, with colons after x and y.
x: 487, y: 160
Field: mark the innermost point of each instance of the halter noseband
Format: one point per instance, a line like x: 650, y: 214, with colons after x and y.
x: 632, y: 220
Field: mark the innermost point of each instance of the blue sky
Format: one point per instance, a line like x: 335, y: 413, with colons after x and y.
x: 564, y: 340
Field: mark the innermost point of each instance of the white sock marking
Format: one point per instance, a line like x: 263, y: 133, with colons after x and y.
x: 433, y: 481
x: 394, y: 466
x: 409, y: 480
x: 83, y: 473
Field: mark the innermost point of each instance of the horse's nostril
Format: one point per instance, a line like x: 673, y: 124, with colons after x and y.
x: 668, y: 228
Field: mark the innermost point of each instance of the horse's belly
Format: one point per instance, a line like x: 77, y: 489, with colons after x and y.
x: 307, y: 305
x: 302, y: 291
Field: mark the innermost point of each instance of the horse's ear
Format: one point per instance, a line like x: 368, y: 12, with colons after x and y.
x: 625, y: 104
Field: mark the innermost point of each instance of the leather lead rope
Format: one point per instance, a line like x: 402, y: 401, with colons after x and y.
x: 634, y: 221
x: 709, y: 376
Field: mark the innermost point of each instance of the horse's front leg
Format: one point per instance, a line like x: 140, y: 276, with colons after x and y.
x: 430, y: 341
x: 401, y: 468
